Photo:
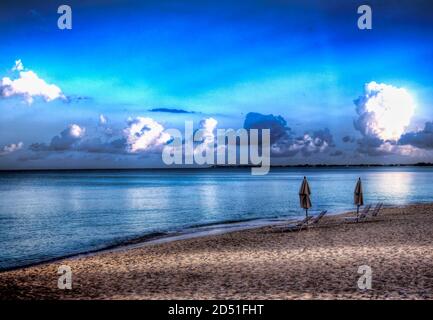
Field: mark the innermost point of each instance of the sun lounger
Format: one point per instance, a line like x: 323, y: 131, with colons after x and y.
x: 299, y: 225
x: 377, y: 209
x: 317, y: 218
x: 361, y: 217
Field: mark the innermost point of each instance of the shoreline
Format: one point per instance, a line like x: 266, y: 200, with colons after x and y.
x: 191, y: 232
x: 260, y: 263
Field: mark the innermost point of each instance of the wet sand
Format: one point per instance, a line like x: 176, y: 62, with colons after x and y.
x: 263, y: 263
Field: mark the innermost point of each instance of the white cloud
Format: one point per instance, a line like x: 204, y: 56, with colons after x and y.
x: 76, y: 131
x: 140, y: 135
x: 207, y: 127
x: 384, y: 111
x: 67, y: 138
x: 28, y: 86
x: 402, y: 150
x: 102, y: 119
x: 143, y: 134
x: 11, y: 148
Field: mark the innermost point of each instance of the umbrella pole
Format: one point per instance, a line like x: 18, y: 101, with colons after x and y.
x: 306, y: 213
x: 357, y: 213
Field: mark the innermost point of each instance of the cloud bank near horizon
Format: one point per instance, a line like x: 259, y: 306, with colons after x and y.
x: 383, y: 114
x: 11, y: 148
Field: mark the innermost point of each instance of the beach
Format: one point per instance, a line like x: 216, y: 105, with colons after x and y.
x: 263, y: 263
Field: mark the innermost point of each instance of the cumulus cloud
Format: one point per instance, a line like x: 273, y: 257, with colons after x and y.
x: 318, y: 141
x: 384, y: 112
x: 284, y: 141
x: 208, y: 126
x: 203, y: 140
x: 10, y: 148
x: 144, y: 133
x: 277, y: 124
x: 207, y: 142
x: 28, y: 86
x: 422, y: 139
x: 310, y: 143
x: 67, y: 140
x: 140, y: 135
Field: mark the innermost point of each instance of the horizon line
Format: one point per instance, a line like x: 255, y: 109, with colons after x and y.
x: 418, y: 164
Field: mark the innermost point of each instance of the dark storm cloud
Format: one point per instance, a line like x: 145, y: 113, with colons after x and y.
x: 370, y: 145
x: 277, y: 124
x: 284, y: 142
x: 421, y: 139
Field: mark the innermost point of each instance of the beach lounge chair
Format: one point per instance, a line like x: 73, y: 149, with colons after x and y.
x: 361, y: 216
x: 377, y: 209
x: 317, y: 218
x: 298, y: 225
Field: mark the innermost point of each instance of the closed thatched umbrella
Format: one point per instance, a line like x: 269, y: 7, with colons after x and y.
x: 358, y: 196
x: 304, y: 196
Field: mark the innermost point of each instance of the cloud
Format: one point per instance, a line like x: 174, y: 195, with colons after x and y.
x: 284, y: 141
x: 76, y: 138
x: 277, y: 124
x: 376, y: 147
x: 67, y: 140
x: 76, y: 99
x: 318, y: 141
x: 207, y: 142
x: 102, y: 119
x: 144, y: 133
x: 310, y: 143
x: 348, y: 139
x: 403, y: 150
x: 28, y: 86
x: 384, y: 112
x: 203, y: 140
x: 10, y: 148
x: 168, y: 110
x: 422, y: 139
x: 208, y: 126
x: 140, y: 135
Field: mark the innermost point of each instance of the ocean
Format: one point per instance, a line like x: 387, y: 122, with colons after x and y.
x: 46, y: 215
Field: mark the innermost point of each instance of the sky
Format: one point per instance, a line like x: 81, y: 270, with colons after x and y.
x: 104, y: 94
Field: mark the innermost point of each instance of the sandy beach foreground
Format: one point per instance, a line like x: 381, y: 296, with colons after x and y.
x: 264, y: 263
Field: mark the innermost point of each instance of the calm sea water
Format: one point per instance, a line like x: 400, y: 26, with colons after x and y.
x: 46, y: 215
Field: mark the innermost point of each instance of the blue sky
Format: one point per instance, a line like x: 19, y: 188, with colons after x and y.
x: 305, y: 61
